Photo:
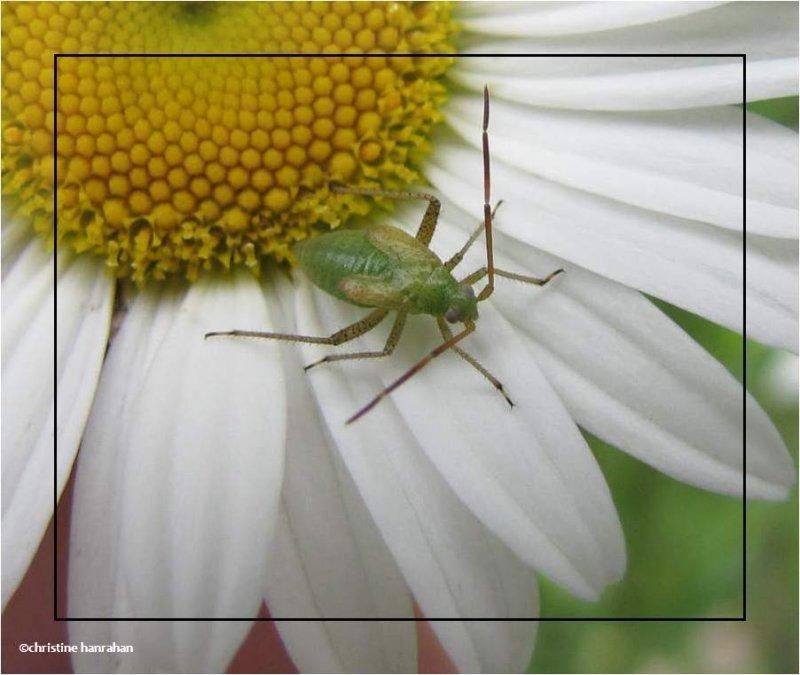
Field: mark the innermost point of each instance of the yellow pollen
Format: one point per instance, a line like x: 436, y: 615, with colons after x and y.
x: 176, y: 165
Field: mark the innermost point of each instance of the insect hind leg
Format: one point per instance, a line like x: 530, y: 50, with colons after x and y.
x: 391, y: 343
x: 346, y: 334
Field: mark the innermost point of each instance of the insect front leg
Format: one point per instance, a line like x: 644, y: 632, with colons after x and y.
x: 458, y: 257
x: 391, y: 343
x: 447, y: 334
x: 477, y: 275
x: 346, y: 334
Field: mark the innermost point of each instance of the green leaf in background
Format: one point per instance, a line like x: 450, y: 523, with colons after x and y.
x: 684, y: 549
x: 782, y: 110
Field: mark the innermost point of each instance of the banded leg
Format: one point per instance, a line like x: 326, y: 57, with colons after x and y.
x: 458, y: 257
x: 429, y: 219
x: 477, y: 275
x: 346, y: 334
x: 447, y: 344
x: 444, y: 329
x: 391, y: 343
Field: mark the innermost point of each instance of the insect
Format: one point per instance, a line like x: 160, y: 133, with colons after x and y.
x: 386, y: 269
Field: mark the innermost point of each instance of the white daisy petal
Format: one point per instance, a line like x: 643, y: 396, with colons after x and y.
x: 632, y: 377
x: 761, y: 30
x: 548, y: 19
x: 85, y: 299
x: 505, y: 647
x: 685, y: 163
x: 452, y: 565
x: 318, y: 646
x: 509, y: 475
x: 718, y: 81
x: 766, y: 32
x: 178, y: 483
x: 779, y: 379
x: 328, y: 559
x: 695, y: 266
x: 95, y: 586
x: 528, y: 474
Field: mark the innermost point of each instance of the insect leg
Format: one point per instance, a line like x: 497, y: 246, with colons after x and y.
x: 458, y: 257
x: 478, y: 274
x: 339, y: 337
x: 391, y: 343
x: 429, y: 219
x: 527, y: 279
x: 447, y: 344
x: 447, y: 334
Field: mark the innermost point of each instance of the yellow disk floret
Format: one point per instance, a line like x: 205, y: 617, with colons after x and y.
x: 180, y: 164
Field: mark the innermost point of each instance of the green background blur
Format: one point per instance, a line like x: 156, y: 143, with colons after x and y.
x: 684, y: 550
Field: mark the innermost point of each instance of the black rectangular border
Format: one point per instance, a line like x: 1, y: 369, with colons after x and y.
x: 743, y: 616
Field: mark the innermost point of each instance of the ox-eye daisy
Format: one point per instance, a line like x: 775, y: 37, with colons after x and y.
x: 214, y: 476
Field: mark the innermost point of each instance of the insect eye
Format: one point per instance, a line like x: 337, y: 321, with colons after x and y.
x: 453, y: 315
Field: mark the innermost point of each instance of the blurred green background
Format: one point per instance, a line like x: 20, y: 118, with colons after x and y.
x: 684, y: 548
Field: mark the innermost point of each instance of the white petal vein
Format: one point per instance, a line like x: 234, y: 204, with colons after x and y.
x: 179, y: 479
x: 85, y: 299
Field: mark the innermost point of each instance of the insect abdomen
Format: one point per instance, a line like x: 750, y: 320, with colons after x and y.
x: 331, y: 257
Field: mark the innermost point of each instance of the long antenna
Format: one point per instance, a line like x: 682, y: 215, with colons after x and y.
x: 487, y: 196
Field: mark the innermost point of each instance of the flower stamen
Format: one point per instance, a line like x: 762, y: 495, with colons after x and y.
x: 175, y: 165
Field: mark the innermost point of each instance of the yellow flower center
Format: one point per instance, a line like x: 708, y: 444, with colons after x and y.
x: 177, y: 165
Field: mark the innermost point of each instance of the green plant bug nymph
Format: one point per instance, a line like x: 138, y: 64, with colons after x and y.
x: 386, y: 269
